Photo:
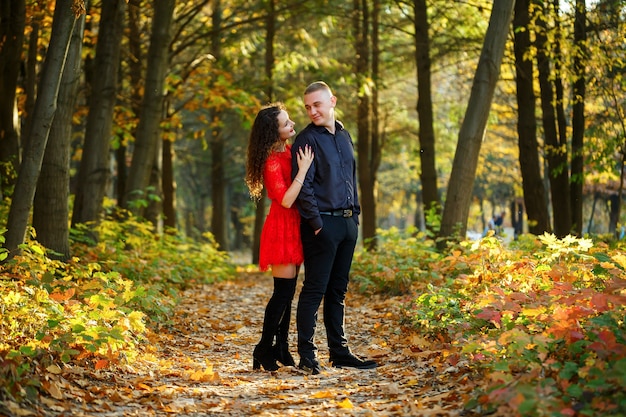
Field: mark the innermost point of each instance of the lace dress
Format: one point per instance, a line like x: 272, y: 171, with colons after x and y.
x: 280, y: 237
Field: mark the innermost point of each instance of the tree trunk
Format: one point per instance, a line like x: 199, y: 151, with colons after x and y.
x: 147, y: 140
x: 45, y: 107
x: 578, y: 117
x: 51, y: 204
x: 377, y: 136
x: 30, y: 82
x: 458, y: 198
x: 169, y: 186
x: 530, y: 165
x: 135, y: 72
x: 94, y: 171
x: 428, y: 173
x: 556, y: 152
x: 13, y: 18
x: 270, y: 36
x: 216, y: 141
x: 154, y: 210
x: 363, y: 73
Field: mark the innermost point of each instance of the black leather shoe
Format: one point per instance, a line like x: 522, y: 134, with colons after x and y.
x: 352, y: 361
x: 310, y: 365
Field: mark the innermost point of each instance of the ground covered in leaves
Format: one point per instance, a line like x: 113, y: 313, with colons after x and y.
x: 202, y: 365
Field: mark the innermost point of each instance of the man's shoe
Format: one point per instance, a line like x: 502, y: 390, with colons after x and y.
x: 310, y: 365
x: 352, y: 361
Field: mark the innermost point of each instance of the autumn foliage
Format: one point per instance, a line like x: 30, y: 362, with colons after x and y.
x: 94, y: 310
x: 532, y: 328
x: 540, y: 322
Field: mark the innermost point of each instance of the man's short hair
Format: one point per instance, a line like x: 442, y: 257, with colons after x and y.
x: 317, y: 86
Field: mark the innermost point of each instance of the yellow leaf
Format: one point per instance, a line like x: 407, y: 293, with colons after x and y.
x: 135, y: 319
x: 533, y: 312
x: 345, y: 403
x: 323, y: 394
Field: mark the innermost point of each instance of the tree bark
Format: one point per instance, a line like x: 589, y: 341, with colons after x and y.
x: 270, y: 36
x: 146, y: 142
x: 169, y: 186
x: 362, y: 69
x: 51, y: 204
x: 556, y: 152
x: 30, y: 82
x: 578, y: 117
x: 13, y: 18
x: 458, y: 198
x: 45, y: 108
x: 94, y: 171
x: 216, y: 140
x: 135, y: 73
x: 377, y: 135
x: 428, y: 173
x: 530, y: 165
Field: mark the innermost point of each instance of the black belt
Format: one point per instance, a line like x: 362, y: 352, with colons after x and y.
x: 338, y: 213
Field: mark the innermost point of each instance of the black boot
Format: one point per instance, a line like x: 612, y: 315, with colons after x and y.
x: 281, y: 348
x: 263, y: 354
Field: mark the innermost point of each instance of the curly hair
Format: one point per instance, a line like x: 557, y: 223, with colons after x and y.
x: 263, y: 138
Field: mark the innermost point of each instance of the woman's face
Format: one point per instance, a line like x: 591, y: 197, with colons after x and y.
x: 285, y: 126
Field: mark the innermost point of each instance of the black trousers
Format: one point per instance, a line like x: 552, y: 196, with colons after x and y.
x: 327, y: 260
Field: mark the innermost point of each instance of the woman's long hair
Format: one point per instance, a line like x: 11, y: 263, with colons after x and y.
x: 263, y: 137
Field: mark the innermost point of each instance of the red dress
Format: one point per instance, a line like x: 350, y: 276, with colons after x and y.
x: 280, y: 237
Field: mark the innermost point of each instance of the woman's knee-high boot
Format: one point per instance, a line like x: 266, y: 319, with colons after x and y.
x: 281, y: 349
x: 263, y: 354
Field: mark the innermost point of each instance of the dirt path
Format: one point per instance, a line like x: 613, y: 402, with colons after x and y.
x: 202, y: 366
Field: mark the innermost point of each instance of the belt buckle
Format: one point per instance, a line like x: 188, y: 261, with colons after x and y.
x: 347, y: 213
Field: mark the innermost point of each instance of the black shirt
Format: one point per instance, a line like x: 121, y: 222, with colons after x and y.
x: 330, y: 182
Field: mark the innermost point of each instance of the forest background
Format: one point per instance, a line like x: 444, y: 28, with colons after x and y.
x: 123, y: 132
x: 149, y: 106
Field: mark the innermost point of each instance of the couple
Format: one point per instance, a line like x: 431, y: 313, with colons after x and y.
x: 319, y: 171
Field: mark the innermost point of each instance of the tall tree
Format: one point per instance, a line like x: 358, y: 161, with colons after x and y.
x: 65, y: 14
x: 530, y: 165
x: 12, y: 22
x: 362, y: 70
x: 458, y: 197
x: 148, y: 130
x: 51, y: 204
x: 578, y: 116
x: 365, y: 19
x: 216, y: 140
x: 268, y: 67
x: 135, y: 71
x: 94, y: 172
x: 428, y: 171
x: 555, y: 147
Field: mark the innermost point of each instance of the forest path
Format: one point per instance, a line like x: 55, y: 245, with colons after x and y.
x: 202, y: 366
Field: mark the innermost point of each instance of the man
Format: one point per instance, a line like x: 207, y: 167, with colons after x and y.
x: 329, y: 209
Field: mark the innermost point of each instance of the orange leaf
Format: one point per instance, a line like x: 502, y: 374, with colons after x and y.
x: 59, y: 297
x: 102, y: 363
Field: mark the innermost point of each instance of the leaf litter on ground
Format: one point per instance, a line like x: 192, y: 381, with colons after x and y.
x: 201, y: 365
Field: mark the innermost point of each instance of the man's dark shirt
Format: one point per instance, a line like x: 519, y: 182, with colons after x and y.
x: 330, y: 183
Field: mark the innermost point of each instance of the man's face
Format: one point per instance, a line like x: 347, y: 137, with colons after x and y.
x: 320, y: 107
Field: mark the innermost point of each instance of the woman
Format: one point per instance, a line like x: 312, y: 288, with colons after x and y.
x: 269, y: 165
